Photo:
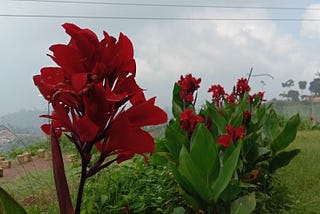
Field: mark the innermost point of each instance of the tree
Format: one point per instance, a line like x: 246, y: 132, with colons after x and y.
x: 289, y: 83
x: 294, y: 95
x: 302, y: 85
x: 315, y: 86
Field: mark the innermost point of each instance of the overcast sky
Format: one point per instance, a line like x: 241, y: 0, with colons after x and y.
x: 219, y: 52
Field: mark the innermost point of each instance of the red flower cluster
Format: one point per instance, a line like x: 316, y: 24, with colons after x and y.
x: 231, y: 99
x: 188, y: 85
x: 232, y: 135
x: 217, y: 93
x: 88, y: 90
x: 257, y: 97
x: 242, y: 87
x: 189, y: 120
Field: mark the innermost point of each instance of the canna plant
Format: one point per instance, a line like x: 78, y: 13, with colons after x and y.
x: 97, y: 103
x: 227, y: 151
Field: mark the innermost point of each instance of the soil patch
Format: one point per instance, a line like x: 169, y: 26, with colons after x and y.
x: 18, y: 170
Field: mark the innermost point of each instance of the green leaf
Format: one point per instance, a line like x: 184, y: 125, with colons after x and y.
x: 217, y: 118
x: 287, y: 135
x: 271, y: 126
x: 203, y: 152
x: 175, y: 137
x: 231, y: 192
x: 8, y: 205
x: 226, y: 172
x: 178, y: 210
x: 194, y: 175
x: 282, y: 159
x: 244, y: 205
x: 237, y: 116
x: 177, y: 103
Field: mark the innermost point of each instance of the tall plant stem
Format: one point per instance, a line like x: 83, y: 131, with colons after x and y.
x: 81, y: 186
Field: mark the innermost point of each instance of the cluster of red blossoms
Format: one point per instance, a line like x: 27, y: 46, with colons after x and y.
x: 89, y: 89
x: 189, y: 120
x: 188, y: 85
x: 232, y: 135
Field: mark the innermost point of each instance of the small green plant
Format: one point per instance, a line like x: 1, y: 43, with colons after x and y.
x: 132, y: 188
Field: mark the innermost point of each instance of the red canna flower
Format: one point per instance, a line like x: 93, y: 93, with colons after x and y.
x: 188, y: 85
x: 89, y: 88
x: 96, y: 99
x: 217, y: 93
x: 232, y: 135
x: 189, y: 120
x: 231, y: 99
x: 242, y: 87
x: 257, y: 97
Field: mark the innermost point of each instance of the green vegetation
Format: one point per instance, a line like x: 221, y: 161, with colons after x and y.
x: 134, y: 187
x: 301, y: 176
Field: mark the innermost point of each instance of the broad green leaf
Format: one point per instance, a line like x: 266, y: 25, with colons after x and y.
x: 263, y: 151
x: 203, y: 152
x: 177, y: 103
x: 282, y: 159
x: 261, y: 113
x: 8, y: 205
x: 244, y: 205
x: 226, y: 172
x: 185, y: 185
x: 287, y: 135
x: 194, y: 175
x: 217, y: 118
x: 271, y: 126
x: 231, y: 192
x: 175, y: 139
x: 237, y: 116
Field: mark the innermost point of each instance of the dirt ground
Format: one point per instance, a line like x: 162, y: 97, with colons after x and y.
x: 21, y: 169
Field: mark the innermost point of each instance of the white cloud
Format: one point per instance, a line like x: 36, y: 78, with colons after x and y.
x: 219, y: 52
x: 311, y: 29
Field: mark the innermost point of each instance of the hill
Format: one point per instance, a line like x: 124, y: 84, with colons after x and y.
x: 23, y: 122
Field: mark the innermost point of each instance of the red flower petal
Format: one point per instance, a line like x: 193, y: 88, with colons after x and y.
x: 225, y: 140
x: 68, y: 58
x: 146, y: 113
x: 86, y: 129
x: 79, y: 80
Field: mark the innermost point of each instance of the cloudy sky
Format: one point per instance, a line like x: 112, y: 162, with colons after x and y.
x: 218, y: 51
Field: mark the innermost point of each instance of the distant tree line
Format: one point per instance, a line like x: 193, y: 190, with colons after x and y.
x: 294, y: 95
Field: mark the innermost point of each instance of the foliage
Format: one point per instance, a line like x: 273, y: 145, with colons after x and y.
x: 223, y: 155
x: 132, y: 188
x: 8, y: 204
x: 302, y: 85
x: 315, y: 86
x: 289, y: 83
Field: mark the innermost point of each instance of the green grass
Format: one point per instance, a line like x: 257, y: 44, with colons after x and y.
x: 302, y: 175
